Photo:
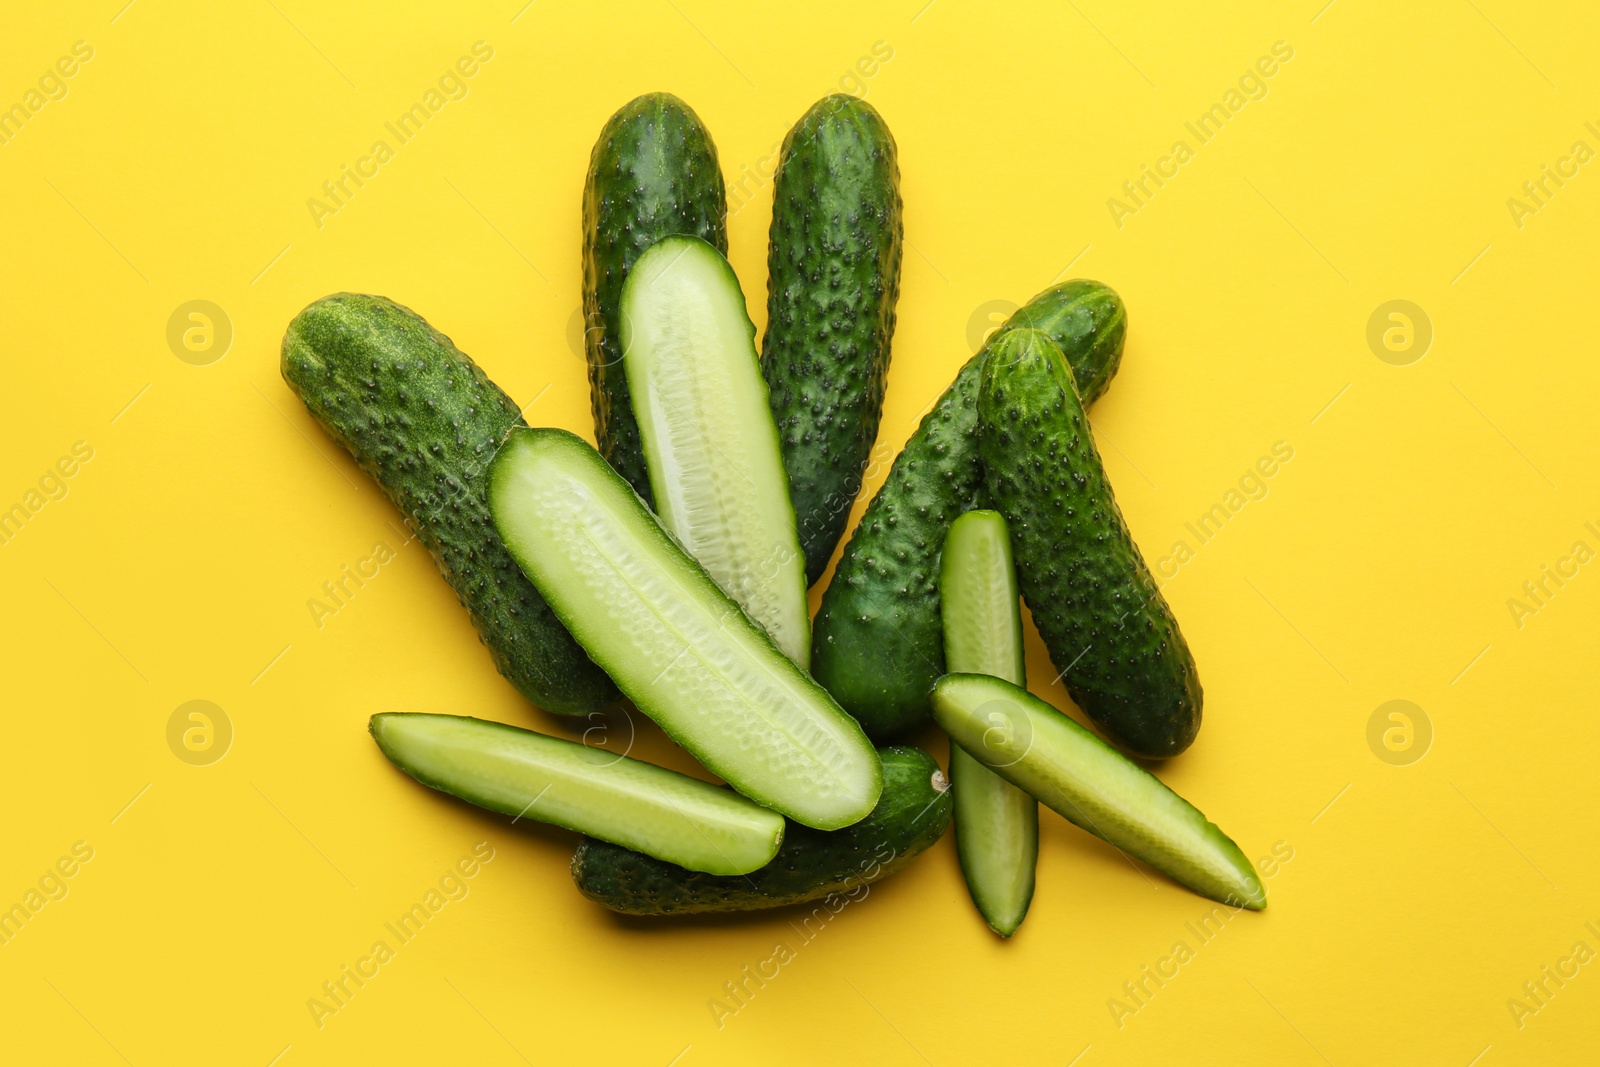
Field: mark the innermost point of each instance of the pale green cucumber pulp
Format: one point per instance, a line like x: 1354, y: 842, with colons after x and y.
x: 997, y: 824
x: 672, y: 640
x: 606, y: 795
x: 710, y: 443
x: 1069, y: 769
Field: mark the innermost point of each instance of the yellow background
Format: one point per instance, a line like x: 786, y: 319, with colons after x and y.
x: 179, y: 565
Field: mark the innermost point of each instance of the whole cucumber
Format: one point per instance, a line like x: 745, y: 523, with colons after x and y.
x: 833, y: 275
x: 653, y: 173
x: 912, y: 813
x: 1109, y: 630
x: 877, y: 644
x: 421, y: 418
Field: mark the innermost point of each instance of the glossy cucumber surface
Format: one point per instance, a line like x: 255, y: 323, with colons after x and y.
x: 677, y: 645
x: 660, y: 812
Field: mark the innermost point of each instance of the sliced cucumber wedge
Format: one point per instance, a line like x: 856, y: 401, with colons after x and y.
x: 671, y: 639
x: 1035, y: 747
x: 710, y: 444
x: 608, y: 796
x: 997, y: 824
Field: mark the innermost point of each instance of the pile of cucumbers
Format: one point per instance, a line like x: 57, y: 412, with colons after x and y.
x: 669, y: 567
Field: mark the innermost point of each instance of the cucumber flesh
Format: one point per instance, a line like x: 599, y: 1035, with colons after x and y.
x: 911, y: 815
x: 710, y: 443
x: 628, y: 802
x: 672, y: 640
x: 1091, y: 784
x: 997, y: 824
x: 653, y: 172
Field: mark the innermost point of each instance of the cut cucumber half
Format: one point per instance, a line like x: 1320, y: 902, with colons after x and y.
x: 710, y: 444
x: 671, y: 639
x: 608, y: 796
x: 1035, y: 747
x: 997, y: 824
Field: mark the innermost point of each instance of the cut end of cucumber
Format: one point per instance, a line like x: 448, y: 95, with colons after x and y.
x: 1043, y: 752
x: 527, y: 775
x: 673, y: 641
x: 711, y: 446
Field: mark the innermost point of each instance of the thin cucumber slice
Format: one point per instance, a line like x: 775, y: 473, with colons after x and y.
x: 710, y: 444
x: 625, y: 801
x: 673, y: 641
x: 1034, y: 746
x: 997, y: 824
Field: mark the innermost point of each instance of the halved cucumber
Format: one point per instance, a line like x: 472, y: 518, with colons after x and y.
x: 997, y: 824
x: 614, y: 798
x: 710, y: 445
x: 911, y: 815
x: 671, y: 639
x: 1034, y: 746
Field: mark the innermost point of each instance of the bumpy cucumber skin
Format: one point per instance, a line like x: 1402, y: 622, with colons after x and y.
x: 833, y: 276
x: 1108, y: 629
x: 424, y: 421
x: 877, y: 644
x: 653, y: 172
x: 912, y: 813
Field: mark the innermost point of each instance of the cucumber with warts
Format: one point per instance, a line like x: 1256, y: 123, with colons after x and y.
x: 876, y: 644
x: 709, y: 441
x: 1109, y: 631
x: 421, y: 418
x: 1036, y: 748
x: 675, y: 643
x: 833, y: 276
x: 997, y: 824
x: 653, y: 172
x: 835, y: 866
x: 633, y: 804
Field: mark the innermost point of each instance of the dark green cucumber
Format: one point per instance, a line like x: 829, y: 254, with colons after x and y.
x: 876, y: 644
x: 1036, y: 748
x: 997, y: 824
x: 526, y: 775
x: 421, y: 418
x: 677, y: 645
x: 910, y: 816
x: 833, y: 275
x: 1108, y: 629
x: 652, y: 173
